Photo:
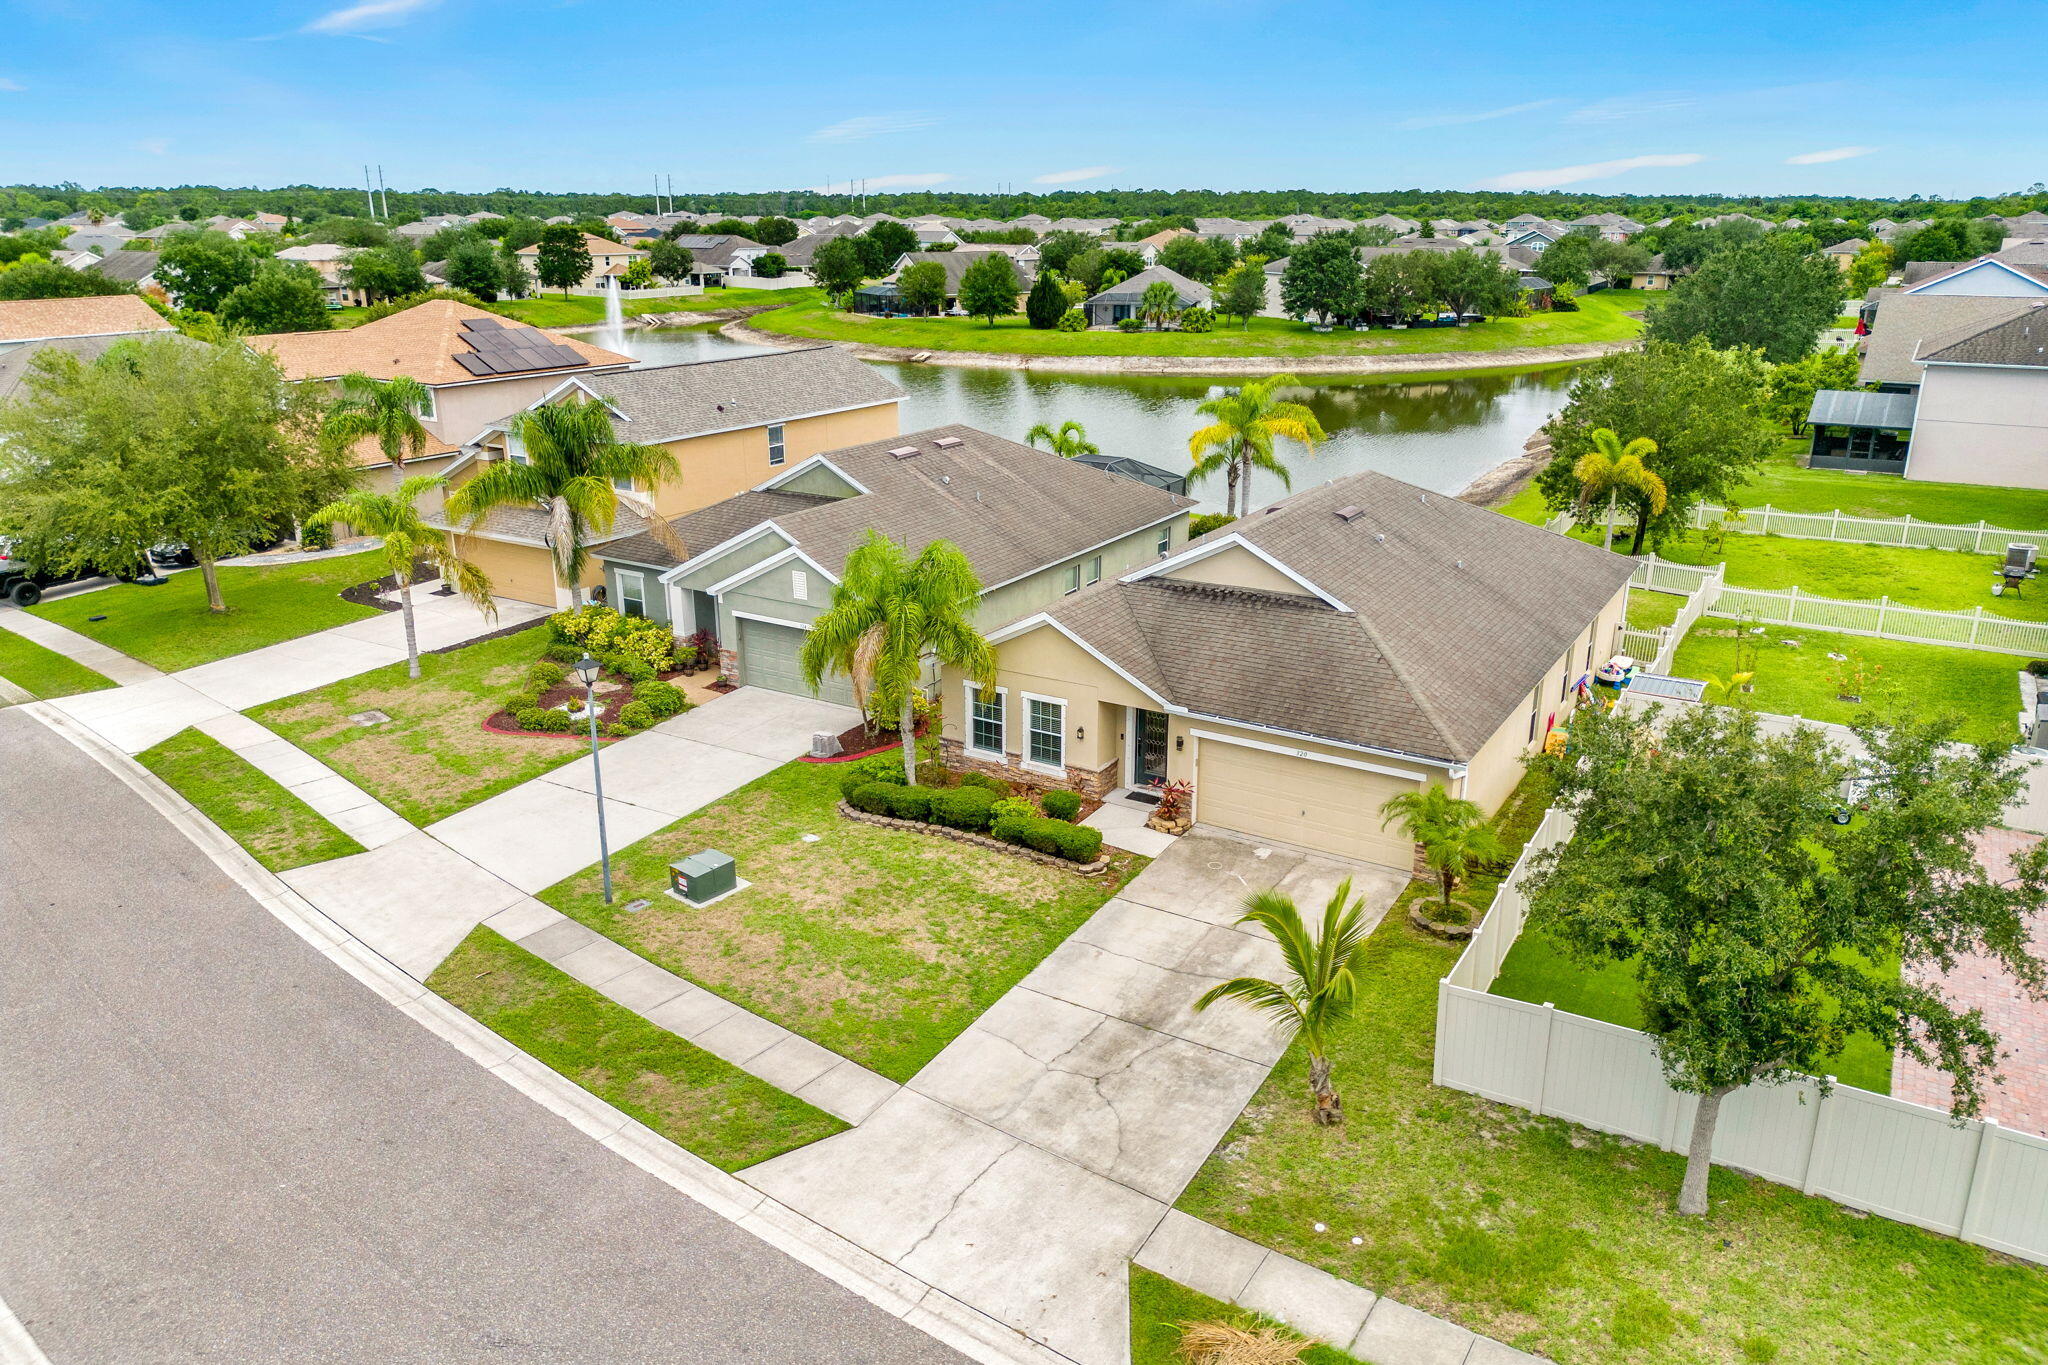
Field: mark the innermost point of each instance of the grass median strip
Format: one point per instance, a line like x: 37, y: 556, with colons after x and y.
x: 697, y: 1101
x: 279, y: 830
x: 1162, y: 1311
x: 433, y: 757
x: 170, y: 627
x: 880, y: 944
x: 44, y: 672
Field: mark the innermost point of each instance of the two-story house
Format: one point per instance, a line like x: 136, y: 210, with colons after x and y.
x: 607, y: 259
x: 759, y: 567
x: 731, y: 424
x: 476, y: 366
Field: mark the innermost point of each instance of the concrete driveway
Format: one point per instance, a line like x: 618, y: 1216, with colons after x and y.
x: 1064, y: 1122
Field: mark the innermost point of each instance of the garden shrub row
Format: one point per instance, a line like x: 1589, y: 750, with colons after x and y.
x: 875, y: 785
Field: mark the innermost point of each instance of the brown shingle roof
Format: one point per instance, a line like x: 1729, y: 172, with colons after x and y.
x: 1456, y: 613
x: 1911, y: 325
x: 422, y: 342
x: 709, y: 527
x: 2021, y: 340
x: 105, y: 315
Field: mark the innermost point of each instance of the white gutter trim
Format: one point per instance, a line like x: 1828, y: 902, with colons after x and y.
x: 752, y: 533
x: 753, y: 571
x: 769, y: 421
x: 1333, y: 759
x: 809, y: 462
x: 1202, y: 552
x: 1100, y: 545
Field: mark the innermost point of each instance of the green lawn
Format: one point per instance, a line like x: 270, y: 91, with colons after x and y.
x: 1162, y: 1309
x: 881, y: 944
x: 1648, y: 610
x: 553, y: 310
x: 696, y: 1100
x: 1796, y: 681
x: 1563, y: 1241
x: 433, y: 757
x: 44, y: 672
x: 1602, y: 317
x: 1936, y: 580
x: 169, y: 626
x: 279, y: 830
x: 1536, y: 970
x: 1783, y: 484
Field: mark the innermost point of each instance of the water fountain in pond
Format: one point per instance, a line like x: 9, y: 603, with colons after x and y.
x: 613, y: 337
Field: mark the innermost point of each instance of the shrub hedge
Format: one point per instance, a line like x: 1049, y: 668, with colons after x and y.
x: 993, y: 785
x: 912, y: 803
x: 1061, y: 805
x: 663, y: 699
x: 1080, y: 843
x: 872, y: 797
x: 963, y: 807
x: 879, y: 768
x: 637, y: 715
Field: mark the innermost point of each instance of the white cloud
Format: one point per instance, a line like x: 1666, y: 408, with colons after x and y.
x: 353, y: 19
x: 1069, y: 177
x: 1592, y: 170
x: 1628, y: 108
x: 1484, y: 115
x: 871, y: 183
x: 155, y: 146
x: 1831, y: 154
x: 6, y: 84
x: 871, y: 125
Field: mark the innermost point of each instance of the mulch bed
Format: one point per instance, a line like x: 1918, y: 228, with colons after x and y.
x: 857, y: 741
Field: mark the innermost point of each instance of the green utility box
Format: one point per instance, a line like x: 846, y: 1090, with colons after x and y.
x: 703, y: 877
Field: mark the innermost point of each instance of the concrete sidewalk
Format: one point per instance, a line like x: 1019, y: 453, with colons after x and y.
x: 345, y: 805
x: 1062, y: 1125
x: 104, y: 660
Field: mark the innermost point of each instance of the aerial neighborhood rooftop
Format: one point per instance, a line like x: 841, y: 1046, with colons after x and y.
x: 1093, y: 775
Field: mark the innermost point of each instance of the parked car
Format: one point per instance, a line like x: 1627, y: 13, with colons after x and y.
x: 22, y: 584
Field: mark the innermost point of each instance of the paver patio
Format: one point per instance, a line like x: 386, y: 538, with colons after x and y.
x: 2021, y: 1023
x: 1062, y: 1124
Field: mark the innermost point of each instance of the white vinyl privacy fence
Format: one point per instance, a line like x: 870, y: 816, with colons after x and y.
x: 1973, y: 1180
x: 1978, y: 538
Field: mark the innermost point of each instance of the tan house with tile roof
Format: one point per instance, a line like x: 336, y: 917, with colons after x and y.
x: 30, y: 320
x: 452, y: 348
x: 1304, y: 664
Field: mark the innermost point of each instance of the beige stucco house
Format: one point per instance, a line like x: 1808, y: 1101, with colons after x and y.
x: 607, y: 258
x: 1982, y: 415
x: 459, y: 352
x: 731, y: 424
x: 1304, y: 664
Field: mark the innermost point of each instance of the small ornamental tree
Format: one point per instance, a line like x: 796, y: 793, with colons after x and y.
x: 988, y: 288
x: 1322, y: 277
x: 1242, y: 293
x: 670, y: 263
x: 839, y: 267
x: 771, y: 265
x: 384, y: 272
x: 1706, y: 854
x: 282, y: 297
x: 473, y: 265
x: 921, y: 288
x: 561, y: 261
x: 1046, y: 301
x: 1761, y: 295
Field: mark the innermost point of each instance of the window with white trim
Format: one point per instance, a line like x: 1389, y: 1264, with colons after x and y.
x: 1095, y: 569
x: 777, y: 452
x: 515, y: 449
x: 799, y: 585
x: 1166, y: 539
x: 632, y: 592
x: 1071, y: 579
x: 1046, y: 733
x: 425, y: 408
x: 624, y: 485
x: 985, y: 720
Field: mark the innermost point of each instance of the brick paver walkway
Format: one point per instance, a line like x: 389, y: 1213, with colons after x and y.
x: 2020, y: 1022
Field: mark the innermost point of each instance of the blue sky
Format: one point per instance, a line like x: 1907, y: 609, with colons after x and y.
x: 1875, y: 97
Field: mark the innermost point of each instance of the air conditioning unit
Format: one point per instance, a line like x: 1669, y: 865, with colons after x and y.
x: 2019, y: 558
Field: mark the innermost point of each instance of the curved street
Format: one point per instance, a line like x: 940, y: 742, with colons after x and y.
x: 218, y: 1146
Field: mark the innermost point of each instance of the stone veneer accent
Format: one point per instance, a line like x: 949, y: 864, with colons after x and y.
x: 729, y: 666
x: 1094, y: 785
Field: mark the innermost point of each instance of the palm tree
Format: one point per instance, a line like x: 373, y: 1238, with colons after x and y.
x: 388, y: 409
x: 1321, y: 984
x: 890, y: 616
x: 1159, y: 303
x: 572, y: 459
x: 1248, y: 420
x: 407, y: 540
x: 1454, y: 833
x: 1070, y: 439
x: 1613, y: 470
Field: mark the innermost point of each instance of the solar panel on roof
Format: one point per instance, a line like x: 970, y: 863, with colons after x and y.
x: 474, y: 363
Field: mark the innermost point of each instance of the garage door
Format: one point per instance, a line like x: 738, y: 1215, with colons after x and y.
x: 768, y: 658
x: 1292, y: 800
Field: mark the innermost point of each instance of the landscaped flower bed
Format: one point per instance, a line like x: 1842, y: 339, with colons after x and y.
x: 975, y: 808
x: 635, y: 689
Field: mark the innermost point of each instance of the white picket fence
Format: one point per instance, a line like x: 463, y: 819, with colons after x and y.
x: 1655, y: 649
x: 1981, y: 538
x: 1974, y: 1180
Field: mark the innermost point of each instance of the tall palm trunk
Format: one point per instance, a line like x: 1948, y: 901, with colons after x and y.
x: 1699, y: 1152
x: 211, y: 575
x: 1607, y: 541
x: 906, y: 721
x: 412, y: 638
x: 1329, y: 1110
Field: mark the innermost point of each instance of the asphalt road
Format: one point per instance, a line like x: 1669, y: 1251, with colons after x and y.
x: 215, y: 1146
